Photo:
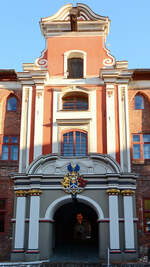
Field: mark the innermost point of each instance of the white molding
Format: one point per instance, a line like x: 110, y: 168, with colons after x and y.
x: 114, y: 222
x: 76, y: 82
x: 88, y: 187
x: 66, y: 199
x: 20, y: 222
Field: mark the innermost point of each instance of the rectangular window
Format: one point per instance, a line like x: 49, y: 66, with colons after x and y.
x: 10, y: 148
x: 2, y: 215
x: 141, y: 146
x: 146, y: 213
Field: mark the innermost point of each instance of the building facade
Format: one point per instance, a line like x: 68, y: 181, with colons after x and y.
x: 84, y: 145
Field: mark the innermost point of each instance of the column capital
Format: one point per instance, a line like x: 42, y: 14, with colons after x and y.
x: 113, y: 191
x: 127, y: 192
x: 21, y: 193
x: 35, y: 192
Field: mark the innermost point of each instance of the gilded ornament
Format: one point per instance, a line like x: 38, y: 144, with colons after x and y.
x: 113, y: 191
x: 127, y: 192
x: 73, y: 182
x: 35, y: 192
x: 21, y: 193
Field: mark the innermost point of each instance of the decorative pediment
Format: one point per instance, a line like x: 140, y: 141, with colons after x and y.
x: 63, y: 14
x: 87, y: 20
x: 55, y: 165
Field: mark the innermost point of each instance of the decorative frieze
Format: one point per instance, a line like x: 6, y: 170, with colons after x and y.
x: 113, y: 191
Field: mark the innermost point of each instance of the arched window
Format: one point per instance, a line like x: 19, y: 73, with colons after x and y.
x: 75, y: 68
x: 75, y: 101
x: 12, y: 104
x: 74, y: 143
x: 139, y: 102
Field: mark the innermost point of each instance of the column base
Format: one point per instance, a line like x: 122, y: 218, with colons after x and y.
x: 17, y: 255
x: 32, y: 255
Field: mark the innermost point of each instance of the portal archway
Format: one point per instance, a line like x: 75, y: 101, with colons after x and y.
x: 76, y: 231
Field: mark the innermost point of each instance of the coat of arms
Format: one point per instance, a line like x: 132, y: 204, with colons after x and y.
x: 73, y: 182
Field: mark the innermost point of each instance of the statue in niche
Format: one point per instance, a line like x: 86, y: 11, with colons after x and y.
x: 82, y: 229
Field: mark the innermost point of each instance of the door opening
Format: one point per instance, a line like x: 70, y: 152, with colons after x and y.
x: 76, y: 230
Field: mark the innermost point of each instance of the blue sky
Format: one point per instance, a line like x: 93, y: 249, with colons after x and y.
x: 21, y: 40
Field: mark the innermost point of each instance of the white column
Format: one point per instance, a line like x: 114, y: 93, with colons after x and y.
x: 33, y: 242
x: 128, y: 221
x: 20, y: 223
x: 110, y: 111
x: 113, y: 220
x: 38, y: 132
x: 124, y: 128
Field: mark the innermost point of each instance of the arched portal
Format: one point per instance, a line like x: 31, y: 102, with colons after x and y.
x: 76, y: 230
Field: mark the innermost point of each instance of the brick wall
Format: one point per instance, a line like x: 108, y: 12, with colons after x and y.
x: 9, y: 125
x: 140, y: 123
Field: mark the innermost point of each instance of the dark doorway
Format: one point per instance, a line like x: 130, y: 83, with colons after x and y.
x: 76, y: 239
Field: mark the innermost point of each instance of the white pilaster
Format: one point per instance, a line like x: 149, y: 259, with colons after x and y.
x: 110, y: 111
x: 20, y: 223
x: 38, y: 132
x: 92, y: 136
x: 128, y: 222
x: 33, y: 243
x: 127, y: 129
x: 55, y: 145
x: 22, y: 154
x: 114, y: 222
x: 124, y: 128
x: 28, y: 126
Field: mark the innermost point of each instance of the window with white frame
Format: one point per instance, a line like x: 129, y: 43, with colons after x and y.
x: 75, y: 64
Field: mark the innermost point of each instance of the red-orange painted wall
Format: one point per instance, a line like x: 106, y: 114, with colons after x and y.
x: 93, y: 46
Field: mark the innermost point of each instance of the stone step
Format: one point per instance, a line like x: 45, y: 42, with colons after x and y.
x: 70, y: 264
